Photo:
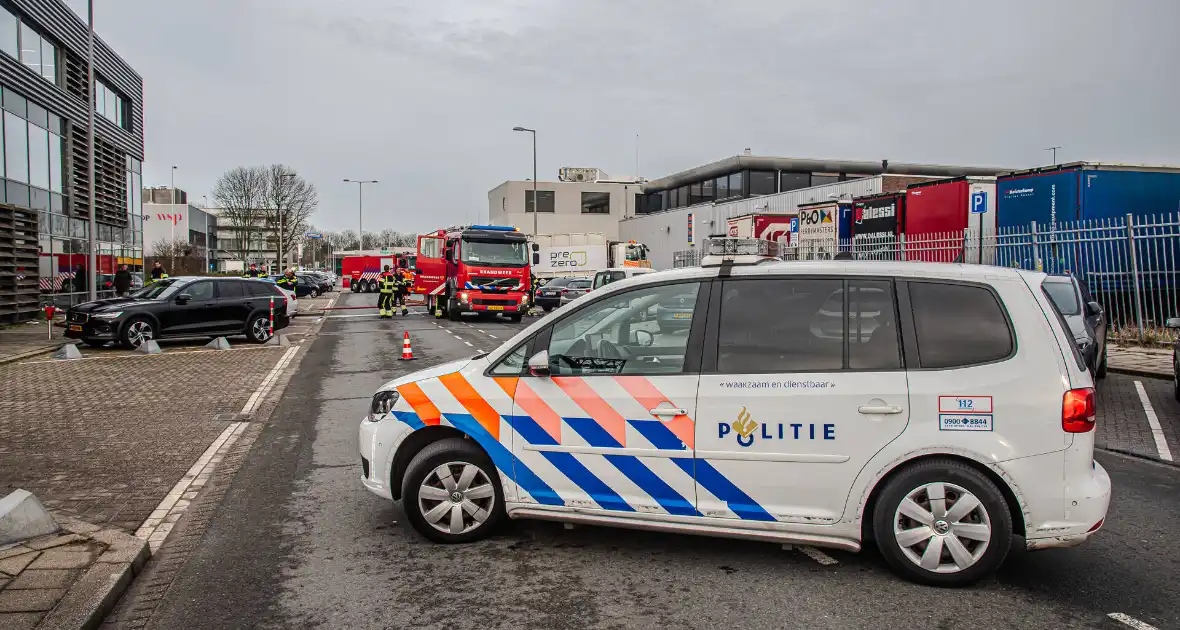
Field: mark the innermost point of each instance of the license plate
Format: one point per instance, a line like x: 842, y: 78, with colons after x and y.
x: 681, y: 315
x: 495, y: 308
x: 75, y: 329
x: 551, y: 293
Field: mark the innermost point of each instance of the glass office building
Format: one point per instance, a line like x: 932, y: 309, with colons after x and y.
x: 44, y: 179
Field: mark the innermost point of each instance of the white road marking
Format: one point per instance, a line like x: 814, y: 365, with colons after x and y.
x: 268, y: 382
x: 818, y: 556
x: 457, y: 337
x: 1131, y: 621
x: 351, y: 315
x: 160, y: 522
x: 468, y: 343
x: 1157, y: 432
x: 492, y: 336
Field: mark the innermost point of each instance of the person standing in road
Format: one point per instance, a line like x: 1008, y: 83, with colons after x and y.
x: 405, y: 280
x: 158, y: 272
x: 253, y: 271
x: 386, y: 285
x: 122, y: 281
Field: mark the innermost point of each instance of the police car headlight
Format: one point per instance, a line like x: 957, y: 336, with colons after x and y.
x: 108, y: 315
x: 463, y: 296
x: 383, y: 402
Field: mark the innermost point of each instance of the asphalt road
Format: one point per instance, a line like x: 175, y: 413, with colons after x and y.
x: 297, y: 542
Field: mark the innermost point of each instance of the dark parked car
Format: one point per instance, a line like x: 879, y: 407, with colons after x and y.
x: 181, y: 307
x: 1086, y: 319
x: 1174, y: 324
x: 675, y: 313
x: 549, y: 296
x: 317, y: 283
x: 574, y: 289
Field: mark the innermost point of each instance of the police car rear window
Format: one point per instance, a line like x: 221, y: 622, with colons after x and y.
x: 959, y: 325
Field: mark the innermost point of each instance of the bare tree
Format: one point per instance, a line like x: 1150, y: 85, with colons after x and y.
x: 346, y: 240
x: 289, y: 202
x: 404, y: 239
x: 371, y: 240
x: 177, y: 256
x: 240, y: 193
x: 387, y: 237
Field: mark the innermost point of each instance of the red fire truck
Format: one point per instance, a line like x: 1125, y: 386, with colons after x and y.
x: 360, y: 273
x: 481, y: 269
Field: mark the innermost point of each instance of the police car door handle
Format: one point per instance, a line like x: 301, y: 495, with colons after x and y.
x: 879, y: 409
x: 668, y: 411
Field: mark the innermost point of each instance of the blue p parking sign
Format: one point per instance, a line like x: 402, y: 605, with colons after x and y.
x: 795, y: 225
x: 979, y: 202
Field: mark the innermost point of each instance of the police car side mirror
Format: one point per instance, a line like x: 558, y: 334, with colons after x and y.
x: 539, y: 364
x: 642, y: 338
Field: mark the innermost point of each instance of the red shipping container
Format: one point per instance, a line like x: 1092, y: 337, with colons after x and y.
x: 939, y: 212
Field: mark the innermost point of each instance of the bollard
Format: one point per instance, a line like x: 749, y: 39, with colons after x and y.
x: 272, y: 316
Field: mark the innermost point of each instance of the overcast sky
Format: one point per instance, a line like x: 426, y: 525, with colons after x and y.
x: 423, y: 95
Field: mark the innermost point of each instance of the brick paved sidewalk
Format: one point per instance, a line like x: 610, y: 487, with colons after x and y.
x: 1139, y: 360
x: 1123, y: 424
x: 20, y: 341
x: 106, y: 438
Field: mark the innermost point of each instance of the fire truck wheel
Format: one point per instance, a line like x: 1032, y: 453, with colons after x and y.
x: 453, y: 312
x: 515, y: 318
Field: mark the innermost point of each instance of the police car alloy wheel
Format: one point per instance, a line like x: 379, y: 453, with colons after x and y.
x: 942, y: 523
x: 451, y: 492
x: 137, y: 332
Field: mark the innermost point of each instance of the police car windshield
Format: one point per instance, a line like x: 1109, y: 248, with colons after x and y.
x: 1064, y: 297
x: 495, y: 253
x: 161, y: 290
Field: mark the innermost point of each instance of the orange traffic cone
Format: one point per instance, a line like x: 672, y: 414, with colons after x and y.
x: 407, y: 351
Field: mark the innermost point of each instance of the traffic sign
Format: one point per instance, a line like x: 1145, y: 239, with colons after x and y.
x: 794, y: 225
x: 979, y: 202
x: 312, y: 235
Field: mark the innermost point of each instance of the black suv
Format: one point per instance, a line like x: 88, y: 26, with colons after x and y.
x: 181, y: 307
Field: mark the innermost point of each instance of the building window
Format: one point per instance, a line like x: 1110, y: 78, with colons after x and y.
x: 822, y: 179
x: 111, y: 105
x: 723, y: 187
x: 793, y: 181
x: 16, y: 149
x: 735, y: 185
x: 546, y: 198
x: 33, y: 150
x: 674, y: 198
x: 707, y: 190
x: 762, y: 182
x: 652, y: 203
x: 9, y: 38
x: 38, y: 53
x: 596, y: 203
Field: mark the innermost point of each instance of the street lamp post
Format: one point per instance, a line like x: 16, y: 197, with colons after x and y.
x: 360, y: 214
x: 208, y: 241
x: 172, y: 201
x: 536, y: 202
x: 92, y: 272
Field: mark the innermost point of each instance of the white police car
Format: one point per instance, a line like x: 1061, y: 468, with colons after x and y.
x: 936, y: 408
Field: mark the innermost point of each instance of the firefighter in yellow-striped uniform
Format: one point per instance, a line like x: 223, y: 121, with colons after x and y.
x: 386, y: 285
x: 405, y: 283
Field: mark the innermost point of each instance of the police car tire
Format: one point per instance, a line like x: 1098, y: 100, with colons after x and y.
x: 946, y: 471
x: 430, y: 458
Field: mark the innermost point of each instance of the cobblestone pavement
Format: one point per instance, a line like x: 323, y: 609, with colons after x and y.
x: 106, y: 438
x: 1141, y: 360
x: 1122, y: 421
x: 20, y: 340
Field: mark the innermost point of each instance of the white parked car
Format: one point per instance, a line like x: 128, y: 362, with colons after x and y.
x: 292, y: 300
x: 946, y: 413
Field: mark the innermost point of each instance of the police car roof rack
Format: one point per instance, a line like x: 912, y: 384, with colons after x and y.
x: 727, y: 252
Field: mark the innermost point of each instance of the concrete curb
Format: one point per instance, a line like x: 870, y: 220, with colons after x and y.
x: 95, y: 594
x: 1135, y: 455
x: 1137, y: 372
x: 28, y: 355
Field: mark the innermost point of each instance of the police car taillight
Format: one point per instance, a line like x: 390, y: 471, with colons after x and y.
x: 1078, y: 410
x: 721, y: 250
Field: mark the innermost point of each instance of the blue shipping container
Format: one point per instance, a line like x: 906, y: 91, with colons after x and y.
x: 1084, y: 191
